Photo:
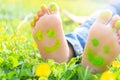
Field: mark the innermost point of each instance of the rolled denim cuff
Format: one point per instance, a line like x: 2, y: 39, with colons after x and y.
x: 77, y: 47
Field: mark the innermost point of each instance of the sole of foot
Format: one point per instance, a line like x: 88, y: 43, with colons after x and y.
x: 48, y: 34
x: 102, y: 45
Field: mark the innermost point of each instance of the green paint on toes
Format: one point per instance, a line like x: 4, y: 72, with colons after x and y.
x: 106, y: 49
x: 39, y: 35
x: 51, y: 33
x: 95, y: 42
x: 117, y: 24
x: 94, y: 59
x: 53, y: 6
x: 53, y: 48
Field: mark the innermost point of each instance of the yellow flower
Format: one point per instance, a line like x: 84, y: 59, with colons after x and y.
x: 18, y: 32
x: 11, y: 36
x: 14, y: 49
x: 1, y: 30
x: 108, y: 76
x: 43, y: 69
x: 21, y: 38
x: 116, y: 64
x: 1, y: 38
x: 34, y: 45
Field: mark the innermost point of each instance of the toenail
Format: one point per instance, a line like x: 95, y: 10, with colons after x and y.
x: 35, y: 18
x: 43, y: 6
x: 53, y: 6
x: 38, y: 14
x: 32, y: 23
x: 117, y: 24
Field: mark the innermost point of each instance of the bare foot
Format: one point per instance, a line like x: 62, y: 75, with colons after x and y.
x: 48, y: 34
x: 102, y: 45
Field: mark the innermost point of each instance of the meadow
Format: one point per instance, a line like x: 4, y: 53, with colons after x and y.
x: 19, y: 56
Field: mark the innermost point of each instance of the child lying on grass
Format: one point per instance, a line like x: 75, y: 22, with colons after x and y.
x: 95, y: 38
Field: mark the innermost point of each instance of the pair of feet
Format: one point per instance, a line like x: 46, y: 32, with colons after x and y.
x: 102, y: 45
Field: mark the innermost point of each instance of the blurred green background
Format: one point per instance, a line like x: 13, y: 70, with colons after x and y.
x: 18, y: 52
x: 17, y: 10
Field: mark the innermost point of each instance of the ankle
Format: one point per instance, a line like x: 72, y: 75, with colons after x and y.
x: 71, y: 52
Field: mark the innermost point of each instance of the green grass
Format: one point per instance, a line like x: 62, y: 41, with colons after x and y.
x: 18, y: 54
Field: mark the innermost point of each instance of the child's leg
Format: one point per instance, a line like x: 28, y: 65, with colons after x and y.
x: 49, y: 36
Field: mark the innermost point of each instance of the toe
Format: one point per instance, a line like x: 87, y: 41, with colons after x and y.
x: 119, y: 35
x: 44, y: 8
x: 32, y: 24
x: 104, y: 16
x: 35, y: 19
x: 40, y: 13
x: 53, y: 7
x: 115, y: 22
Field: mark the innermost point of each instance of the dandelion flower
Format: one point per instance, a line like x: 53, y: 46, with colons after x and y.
x: 34, y: 45
x: 1, y: 30
x: 14, y: 49
x: 43, y: 69
x: 116, y: 64
x: 21, y: 38
x: 107, y: 75
x: 1, y: 38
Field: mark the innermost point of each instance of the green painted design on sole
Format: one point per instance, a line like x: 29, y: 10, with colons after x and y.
x: 94, y: 59
x: 117, y: 24
x: 51, y: 33
x: 39, y: 35
x: 106, y: 49
x: 113, y: 30
x: 53, y: 48
x: 95, y: 42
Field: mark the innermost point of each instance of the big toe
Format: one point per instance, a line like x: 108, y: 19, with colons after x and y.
x: 53, y: 7
x: 44, y: 8
x: 104, y: 16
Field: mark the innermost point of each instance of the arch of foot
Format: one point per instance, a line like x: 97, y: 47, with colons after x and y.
x: 93, y: 57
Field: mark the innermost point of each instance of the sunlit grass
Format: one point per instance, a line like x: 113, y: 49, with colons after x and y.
x: 19, y: 55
